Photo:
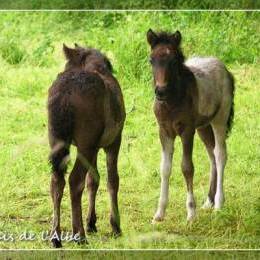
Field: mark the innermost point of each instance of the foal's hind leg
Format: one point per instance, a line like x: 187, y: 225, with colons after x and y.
x: 188, y: 171
x: 92, y: 184
x: 113, y: 183
x: 207, y: 136
x: 221, y: 158
x: 58, y: 158
x: 56, y: 187
x: 77, y: 185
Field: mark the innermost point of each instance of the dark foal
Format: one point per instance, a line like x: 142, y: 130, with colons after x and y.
x: 197, y: 94
x: 85, y: 108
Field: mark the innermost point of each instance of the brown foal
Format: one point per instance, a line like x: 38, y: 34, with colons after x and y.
x: 194, y: 95
x: 85, y: 108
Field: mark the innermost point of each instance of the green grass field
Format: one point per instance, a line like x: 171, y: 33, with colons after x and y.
x: 31, y: 57
x: 130, y: 4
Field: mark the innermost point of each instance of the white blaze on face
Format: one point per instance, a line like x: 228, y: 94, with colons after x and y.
x: 160, y: 73
x: 160, y: 77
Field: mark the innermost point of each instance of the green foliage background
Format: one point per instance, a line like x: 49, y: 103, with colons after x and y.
x: 130, y: 4
x: 30, y: 58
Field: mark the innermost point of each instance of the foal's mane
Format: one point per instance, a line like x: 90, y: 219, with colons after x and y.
x: 98, y: 53
x: 84, y: 52
x: 164, y: 37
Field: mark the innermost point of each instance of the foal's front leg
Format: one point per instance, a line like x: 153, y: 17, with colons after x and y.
x: 188, y: 170
x: 165, y: 169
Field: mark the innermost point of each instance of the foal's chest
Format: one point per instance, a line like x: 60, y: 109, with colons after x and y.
x: 172, y: 120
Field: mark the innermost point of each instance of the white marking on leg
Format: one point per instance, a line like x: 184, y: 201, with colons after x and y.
x: 191, y: 206
x: 166, y: 166
x: 207, y: 204
x: 221, y: 157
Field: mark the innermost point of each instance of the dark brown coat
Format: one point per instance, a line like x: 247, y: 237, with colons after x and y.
x: 85, y: 108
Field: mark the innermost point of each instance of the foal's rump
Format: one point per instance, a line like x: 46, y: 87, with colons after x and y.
x: 74, y: 102
x: 215, y: 87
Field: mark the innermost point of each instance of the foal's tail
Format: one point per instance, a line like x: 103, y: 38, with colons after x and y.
x: 61, y: 121
x: 231, y: 113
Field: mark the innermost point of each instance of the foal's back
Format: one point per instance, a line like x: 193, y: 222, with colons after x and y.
x: 76, y: 107
x: 213, y: 83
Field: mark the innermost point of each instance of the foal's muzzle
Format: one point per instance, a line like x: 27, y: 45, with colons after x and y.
x: 161, y: 92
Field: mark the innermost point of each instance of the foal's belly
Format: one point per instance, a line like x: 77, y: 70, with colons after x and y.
x: 114, y: 116
x: 177, y: 125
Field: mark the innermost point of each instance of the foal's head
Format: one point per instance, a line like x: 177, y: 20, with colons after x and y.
x: 87, y: 59
x: 166, y: 59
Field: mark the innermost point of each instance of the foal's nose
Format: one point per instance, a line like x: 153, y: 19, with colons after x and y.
x: 160, y: 92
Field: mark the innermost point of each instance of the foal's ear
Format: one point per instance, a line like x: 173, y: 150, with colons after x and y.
x: 176, y: 37
x: 151, y: 37
x: 70, y: 54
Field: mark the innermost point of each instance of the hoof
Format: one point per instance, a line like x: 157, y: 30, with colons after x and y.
x: 56, y: 243
x: 219, y: 201
x: 208, y: 204
x: 116, y: 232
x: 81, y: 241
x: 191, y: 215
x: 115, y: 225
x: 158, y: 217
x: 92, y: 229
x: 116, y: 235
x: 217, y: 207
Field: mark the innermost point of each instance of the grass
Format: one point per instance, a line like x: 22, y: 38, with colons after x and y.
x: 130, y: 4
x: 30, y: 58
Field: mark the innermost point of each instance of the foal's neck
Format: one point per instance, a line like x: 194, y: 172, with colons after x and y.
x: 181, y: 82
